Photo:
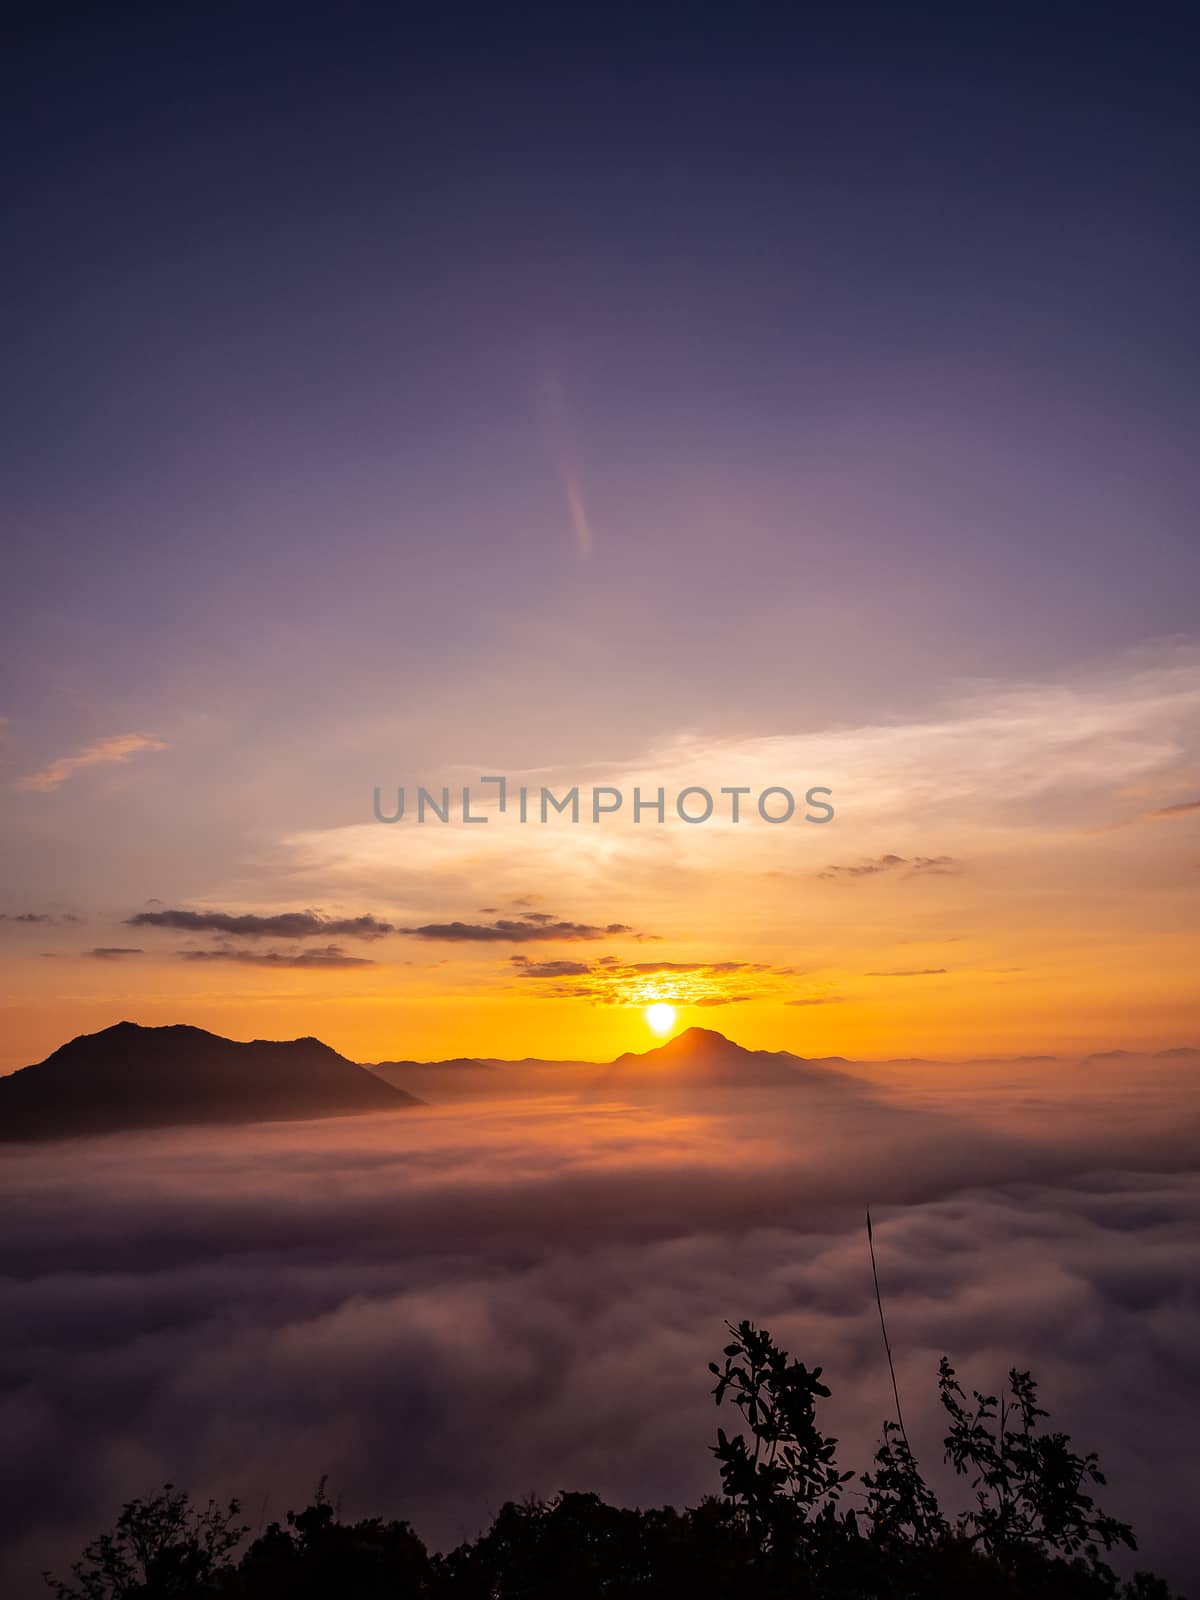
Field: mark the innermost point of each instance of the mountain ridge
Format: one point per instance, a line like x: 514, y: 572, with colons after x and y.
x: 694, y: 1060
x: 128, y: 1077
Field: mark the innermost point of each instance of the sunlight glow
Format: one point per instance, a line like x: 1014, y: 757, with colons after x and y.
x: 660, y: 1016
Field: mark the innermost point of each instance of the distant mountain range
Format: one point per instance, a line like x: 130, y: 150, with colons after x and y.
x: 132, y: 1077
x: 697, y: 1059
x: 129, y: 1077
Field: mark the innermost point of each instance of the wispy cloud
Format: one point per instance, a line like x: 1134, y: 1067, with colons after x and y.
x: 112, y: 952
x: 329, y: 957
x: 549, y: 969
x: 104, y: 752
x: 613, y: 982
x: 1179, y: 810
x: 915, y: 866
x: 39, y: 918
x: 507, y: 930
x: 1005, y: 767
x: 560, y: 439
x: 272, y: 925
x: 1004, y: 786
x: 712, y: 967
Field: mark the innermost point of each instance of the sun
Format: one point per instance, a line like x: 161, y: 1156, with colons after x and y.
x: 661, y: 1016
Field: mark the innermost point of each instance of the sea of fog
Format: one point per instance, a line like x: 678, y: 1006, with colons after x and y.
x: 445, y: 1308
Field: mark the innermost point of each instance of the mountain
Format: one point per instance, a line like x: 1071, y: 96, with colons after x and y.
x: 133, y: 1077
x: 696, y: 1060
x: 1004, y: 1061
x: 439, y: 1082
x: 701, y: 1058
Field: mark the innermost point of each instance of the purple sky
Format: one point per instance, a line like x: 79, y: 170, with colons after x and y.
x: 858, y: 324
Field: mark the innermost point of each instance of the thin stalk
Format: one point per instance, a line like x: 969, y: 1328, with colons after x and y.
x: 886, y: 1343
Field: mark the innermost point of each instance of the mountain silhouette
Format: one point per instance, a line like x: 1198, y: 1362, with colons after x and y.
x: 459, y: 1078
x: 703, y: 1058
x: 706, y: 1051
x: 694, y: 1061
x: 133, y: 1077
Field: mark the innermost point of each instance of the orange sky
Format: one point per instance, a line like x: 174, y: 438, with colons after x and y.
x: 1016, y: 872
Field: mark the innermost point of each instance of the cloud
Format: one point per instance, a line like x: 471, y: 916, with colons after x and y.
x: 614, y: 982
x: 549, y: 969
x: 1009, y: 776
x: 243, y: 1310
x: 277, y: 925
x: 695, y: 966
x: 918, y: 866
x: 1179, y: 810
x: 663, y: 966
x: 559, y: 435
x: 26, y: 916
x: 104, y: 752
x: 865, y: 869
x: 506, y: 930
x: 330, y: 956
x: 112, y: 952
x: 933, y: 866
x: 817, y: 1000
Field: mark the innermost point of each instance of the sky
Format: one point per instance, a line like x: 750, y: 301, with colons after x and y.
x: 646, y: 396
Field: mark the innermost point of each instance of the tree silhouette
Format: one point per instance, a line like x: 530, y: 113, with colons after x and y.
x: 791, y: 1459
x: 778, y: 1532
x: 160, y: 1548
x: 1029, y: 1486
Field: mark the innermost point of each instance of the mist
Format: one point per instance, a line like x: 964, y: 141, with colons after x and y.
x: 452, y: 1306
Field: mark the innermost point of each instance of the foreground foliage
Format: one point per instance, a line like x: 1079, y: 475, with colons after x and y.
x: 780, y: 1530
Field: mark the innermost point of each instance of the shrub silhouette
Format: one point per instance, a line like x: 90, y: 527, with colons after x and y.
x: 779, y: 1530
x: 161, y: 1547
x: 316, y: 1556
x: 1028, y: 1486
x: 791, y: 1459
